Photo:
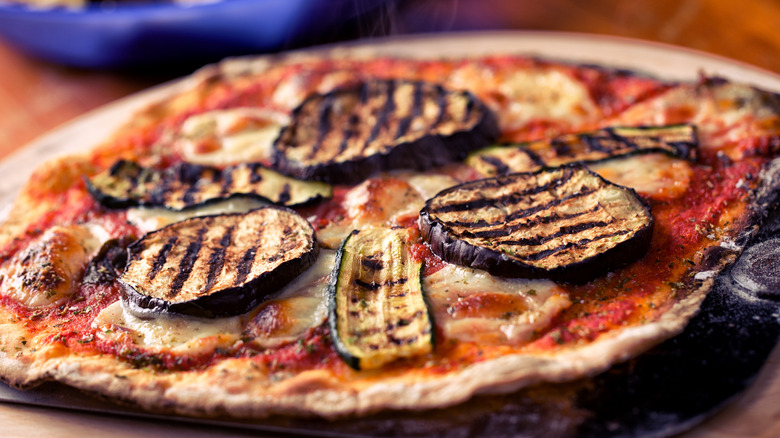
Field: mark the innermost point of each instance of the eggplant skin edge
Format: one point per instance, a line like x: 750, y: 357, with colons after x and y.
x: 426, y: 152
x: 459, y: 252
x: 453, y: 250
x: 226, y: 302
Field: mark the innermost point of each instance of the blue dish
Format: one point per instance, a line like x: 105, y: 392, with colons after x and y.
x: 131, y: 35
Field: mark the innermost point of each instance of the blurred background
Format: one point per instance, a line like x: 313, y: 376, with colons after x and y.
x: 57, y: 64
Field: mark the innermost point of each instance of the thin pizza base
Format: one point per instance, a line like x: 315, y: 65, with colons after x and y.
x: 228, y: 389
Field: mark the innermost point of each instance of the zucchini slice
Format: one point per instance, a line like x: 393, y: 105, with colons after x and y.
x: 676, y: 140
x: 377, y: 310
x: 348, y: 134
x: 213, y: 266
x: 567, y: 224
x: 127, y: 184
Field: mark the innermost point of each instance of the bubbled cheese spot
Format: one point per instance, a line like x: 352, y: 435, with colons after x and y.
x: 529, y: 95
x: 49, y: 269
x: 473, y: 306
x: 223, y: 137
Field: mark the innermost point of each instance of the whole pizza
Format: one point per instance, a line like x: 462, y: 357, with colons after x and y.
x: 339, y: 233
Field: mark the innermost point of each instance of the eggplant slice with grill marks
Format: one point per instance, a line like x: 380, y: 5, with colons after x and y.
x: 567, y: 224
x: 213, y: 266
x: 348, y: 134
x: 184, y: 185
x: 377, y: 309
x: 678, y: 141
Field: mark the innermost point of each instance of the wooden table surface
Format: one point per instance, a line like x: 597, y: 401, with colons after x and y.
x: 36, y: 96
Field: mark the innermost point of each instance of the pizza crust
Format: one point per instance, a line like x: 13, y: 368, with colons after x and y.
x: 215, y: 392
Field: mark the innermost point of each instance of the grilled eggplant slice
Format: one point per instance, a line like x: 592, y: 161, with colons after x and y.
x: 377, y: 310
x: 213, y: 266
x: 348, y: 134
x: 567, y: 224
x: 127, y: 184
x: 676, y: 140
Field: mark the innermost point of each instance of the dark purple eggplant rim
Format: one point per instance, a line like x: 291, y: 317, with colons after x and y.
x: 426, y: 152
x: 110, y: 201
x: 227, y: 302
x: 443, y: 242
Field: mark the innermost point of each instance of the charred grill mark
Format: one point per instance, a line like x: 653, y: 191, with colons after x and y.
x: 443, y: 102
x: 190, y: 193
x: 498, y: 165
x: 255, y: 174
x: 374, y: 265
x: 382, y: 117
x: 560, y: 147
x: 469, y: 110
x: 505, y: 200
x: 621, y: 140
x: 349, y: 133
x: 245, y: 265
x: 534, y: 157
x: 284, y: 195
x: 187, y: 262
x: 511, y: 229
x: 325, y: 113
x: 598, y: 143
x: 414, y: 111
x: 217, y: 258
x: 562, y: 232
x: 226, y: 183
x: 162, y: 257
x: 519, y: 214
x: 376, y: 286
x: 578, y: 244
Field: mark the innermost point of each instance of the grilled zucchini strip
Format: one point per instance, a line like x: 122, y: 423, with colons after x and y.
x: 348, y: 134
x: 212, y: 266
x: 566, y: 223
x: 589, y: 147
x: 127, y: 184
x: 377, y: 310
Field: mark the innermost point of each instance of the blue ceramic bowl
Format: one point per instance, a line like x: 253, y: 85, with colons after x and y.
x: 126, y: 35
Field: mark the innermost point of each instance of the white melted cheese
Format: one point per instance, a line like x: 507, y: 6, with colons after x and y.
x: 651, y: 174
x: 230, y: 136
x: 178, y: 333
x: 304, y: 298
x: 723, y: 114
x: 541, y: 301
x: 148, y: 219
x: 48, y: 269
x: 305, y: 304
x: 384, y: 202
x: 529, y: 94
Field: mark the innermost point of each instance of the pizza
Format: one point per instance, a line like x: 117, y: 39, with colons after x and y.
x: 340, y: 233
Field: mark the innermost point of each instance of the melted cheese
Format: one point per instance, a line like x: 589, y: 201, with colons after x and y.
x: 222, y: 137
x: 149, y: 219
x: 304, y: 301
x: 301, y: 305
x: 48, y: 270
x: 384, y: 202
x: 462, y: 299
x: 529, y: 94
x: 657, y: 175
x: 178, y: 333
x: 723, y: 114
